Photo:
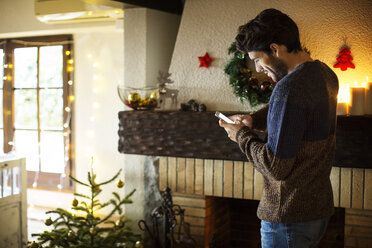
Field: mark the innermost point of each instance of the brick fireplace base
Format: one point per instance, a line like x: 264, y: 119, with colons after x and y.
x: 202, y: 188
x: 228, y: 222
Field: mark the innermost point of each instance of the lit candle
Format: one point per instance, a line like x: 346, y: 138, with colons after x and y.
x: 342, y: 108
x: 368, y: 107
x: 357, y: 102
x: 343, y: 99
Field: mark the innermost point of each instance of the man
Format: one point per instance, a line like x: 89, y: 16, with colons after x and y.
x: 297, y: 158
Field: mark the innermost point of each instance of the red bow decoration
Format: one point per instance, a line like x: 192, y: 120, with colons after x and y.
x: 205, y: 61
x: 344, y: 60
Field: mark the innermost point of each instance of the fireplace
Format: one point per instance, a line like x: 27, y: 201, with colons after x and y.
x: 220, y: 181
x: 214, y: 192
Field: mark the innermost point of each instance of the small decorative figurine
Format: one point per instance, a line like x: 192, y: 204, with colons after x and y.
x: 164, y: 92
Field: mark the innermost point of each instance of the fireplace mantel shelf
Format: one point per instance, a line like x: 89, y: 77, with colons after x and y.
x: 198, y: 135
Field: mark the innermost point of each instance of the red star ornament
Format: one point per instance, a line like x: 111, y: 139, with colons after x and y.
x: 205, y: 61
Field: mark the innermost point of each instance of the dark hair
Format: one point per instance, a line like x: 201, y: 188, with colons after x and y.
x: 270, y: 26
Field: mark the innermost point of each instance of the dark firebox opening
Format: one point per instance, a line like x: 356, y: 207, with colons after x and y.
x: 233, y: 223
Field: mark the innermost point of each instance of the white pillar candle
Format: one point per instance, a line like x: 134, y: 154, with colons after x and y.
x: 368, y: 107
x: 357, y: 100
x: 342, y: 108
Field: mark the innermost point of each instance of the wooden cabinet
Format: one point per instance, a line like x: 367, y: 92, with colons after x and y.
x: 13, y: 202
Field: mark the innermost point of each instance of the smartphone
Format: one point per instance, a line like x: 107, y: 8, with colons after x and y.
x: 223, y: 117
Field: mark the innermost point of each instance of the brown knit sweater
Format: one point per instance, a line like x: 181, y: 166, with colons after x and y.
x: 297, y: 158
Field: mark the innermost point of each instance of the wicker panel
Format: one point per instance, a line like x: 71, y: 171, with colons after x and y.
x: 176, y: 134
x: 198, y: 135
x: 354, y: 142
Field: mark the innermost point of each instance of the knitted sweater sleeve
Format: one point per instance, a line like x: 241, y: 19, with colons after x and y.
x: 286, y: 126
x: 259, y: 118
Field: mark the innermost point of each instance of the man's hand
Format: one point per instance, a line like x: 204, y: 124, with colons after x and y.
x: 240, y: 121
x: 245, y: 119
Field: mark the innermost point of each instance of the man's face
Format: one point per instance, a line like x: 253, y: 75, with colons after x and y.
x: 272, y: 66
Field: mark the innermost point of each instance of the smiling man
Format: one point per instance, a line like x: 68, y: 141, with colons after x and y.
x: 296, y: 160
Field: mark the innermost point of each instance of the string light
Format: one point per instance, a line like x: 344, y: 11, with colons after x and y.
x: 34, y: 185
x: 91, y: 133
x: 95, y: 65
x: 66, y: 125
x: 88, y: 152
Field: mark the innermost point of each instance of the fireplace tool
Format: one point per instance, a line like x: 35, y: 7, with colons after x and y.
x: 168, y: 228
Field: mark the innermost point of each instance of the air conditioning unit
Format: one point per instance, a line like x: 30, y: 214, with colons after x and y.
x: 67, y: 11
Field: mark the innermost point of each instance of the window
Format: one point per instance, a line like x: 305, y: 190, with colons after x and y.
x: 37, y: 102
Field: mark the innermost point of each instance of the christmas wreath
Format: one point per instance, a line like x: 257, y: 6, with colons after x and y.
x: 245, y: 85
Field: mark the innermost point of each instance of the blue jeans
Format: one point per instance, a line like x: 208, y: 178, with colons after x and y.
x: 292, y: 235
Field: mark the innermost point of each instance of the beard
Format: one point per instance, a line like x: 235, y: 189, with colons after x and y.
x: 279, y: 68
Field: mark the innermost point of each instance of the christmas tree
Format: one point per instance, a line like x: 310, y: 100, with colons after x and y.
x: 83, y: 228
x: 344, y: 60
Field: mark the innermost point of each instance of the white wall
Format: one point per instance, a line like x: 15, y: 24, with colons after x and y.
x: 149, y: 38
x: 97, y: 105
x: 211, y: 26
